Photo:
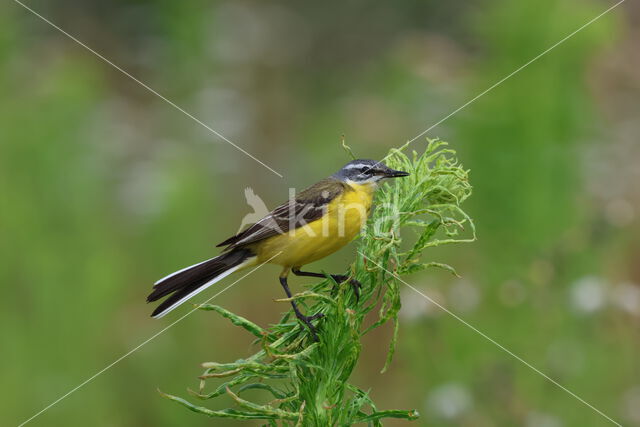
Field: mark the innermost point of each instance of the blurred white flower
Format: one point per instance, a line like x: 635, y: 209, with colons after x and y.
x: 449, y: 400
x: 540, y: 419
x: 415, y: 306
x: 464, y: 296
x: 412, y: 307
x: 626, y: 296
x: 631, y: 404
x: 588, y: 294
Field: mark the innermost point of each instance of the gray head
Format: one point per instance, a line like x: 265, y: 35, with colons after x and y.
x: 363, y: 171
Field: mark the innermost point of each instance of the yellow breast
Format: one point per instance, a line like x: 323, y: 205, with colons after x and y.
x: 345, y: 215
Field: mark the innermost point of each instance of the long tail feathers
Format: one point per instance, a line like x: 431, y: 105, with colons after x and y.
x: 185, y: 283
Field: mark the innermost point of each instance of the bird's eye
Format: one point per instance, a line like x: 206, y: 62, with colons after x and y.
x: 364, y: 170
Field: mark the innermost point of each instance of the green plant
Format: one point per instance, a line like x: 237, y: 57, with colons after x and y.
x: 306, y: 382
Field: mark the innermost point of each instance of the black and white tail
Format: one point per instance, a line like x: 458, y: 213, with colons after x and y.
x: 185, y: 283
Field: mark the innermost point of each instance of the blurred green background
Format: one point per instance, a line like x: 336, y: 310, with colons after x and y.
x: 104, y: 188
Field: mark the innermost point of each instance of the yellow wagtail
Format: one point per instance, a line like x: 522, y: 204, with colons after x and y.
x: 317, y: 222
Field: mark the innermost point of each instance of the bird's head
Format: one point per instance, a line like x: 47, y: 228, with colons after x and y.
x: 363, y: 171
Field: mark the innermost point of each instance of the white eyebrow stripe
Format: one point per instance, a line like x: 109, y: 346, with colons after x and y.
x: 357, y: 165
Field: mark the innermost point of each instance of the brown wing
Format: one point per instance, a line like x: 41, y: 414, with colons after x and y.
x: 306, y: 207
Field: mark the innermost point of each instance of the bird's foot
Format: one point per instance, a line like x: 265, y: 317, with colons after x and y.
x: 355, y: 285
x: 307, y: 321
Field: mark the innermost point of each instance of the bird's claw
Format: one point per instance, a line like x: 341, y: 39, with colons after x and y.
x: 307, y: 321
x: 355, y: 285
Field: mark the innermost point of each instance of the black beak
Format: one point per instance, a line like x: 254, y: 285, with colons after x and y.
x: 390, y: 173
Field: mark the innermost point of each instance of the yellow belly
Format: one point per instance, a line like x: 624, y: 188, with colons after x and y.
x: 344, y: 218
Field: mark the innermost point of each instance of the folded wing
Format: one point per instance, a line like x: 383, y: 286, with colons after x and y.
x: 309, y: 205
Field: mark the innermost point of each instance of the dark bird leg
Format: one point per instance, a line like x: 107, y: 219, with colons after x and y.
x: 339, y: 278
x: 304, y: 319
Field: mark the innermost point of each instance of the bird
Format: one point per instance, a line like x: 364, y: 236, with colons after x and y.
x: 310, y: 226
